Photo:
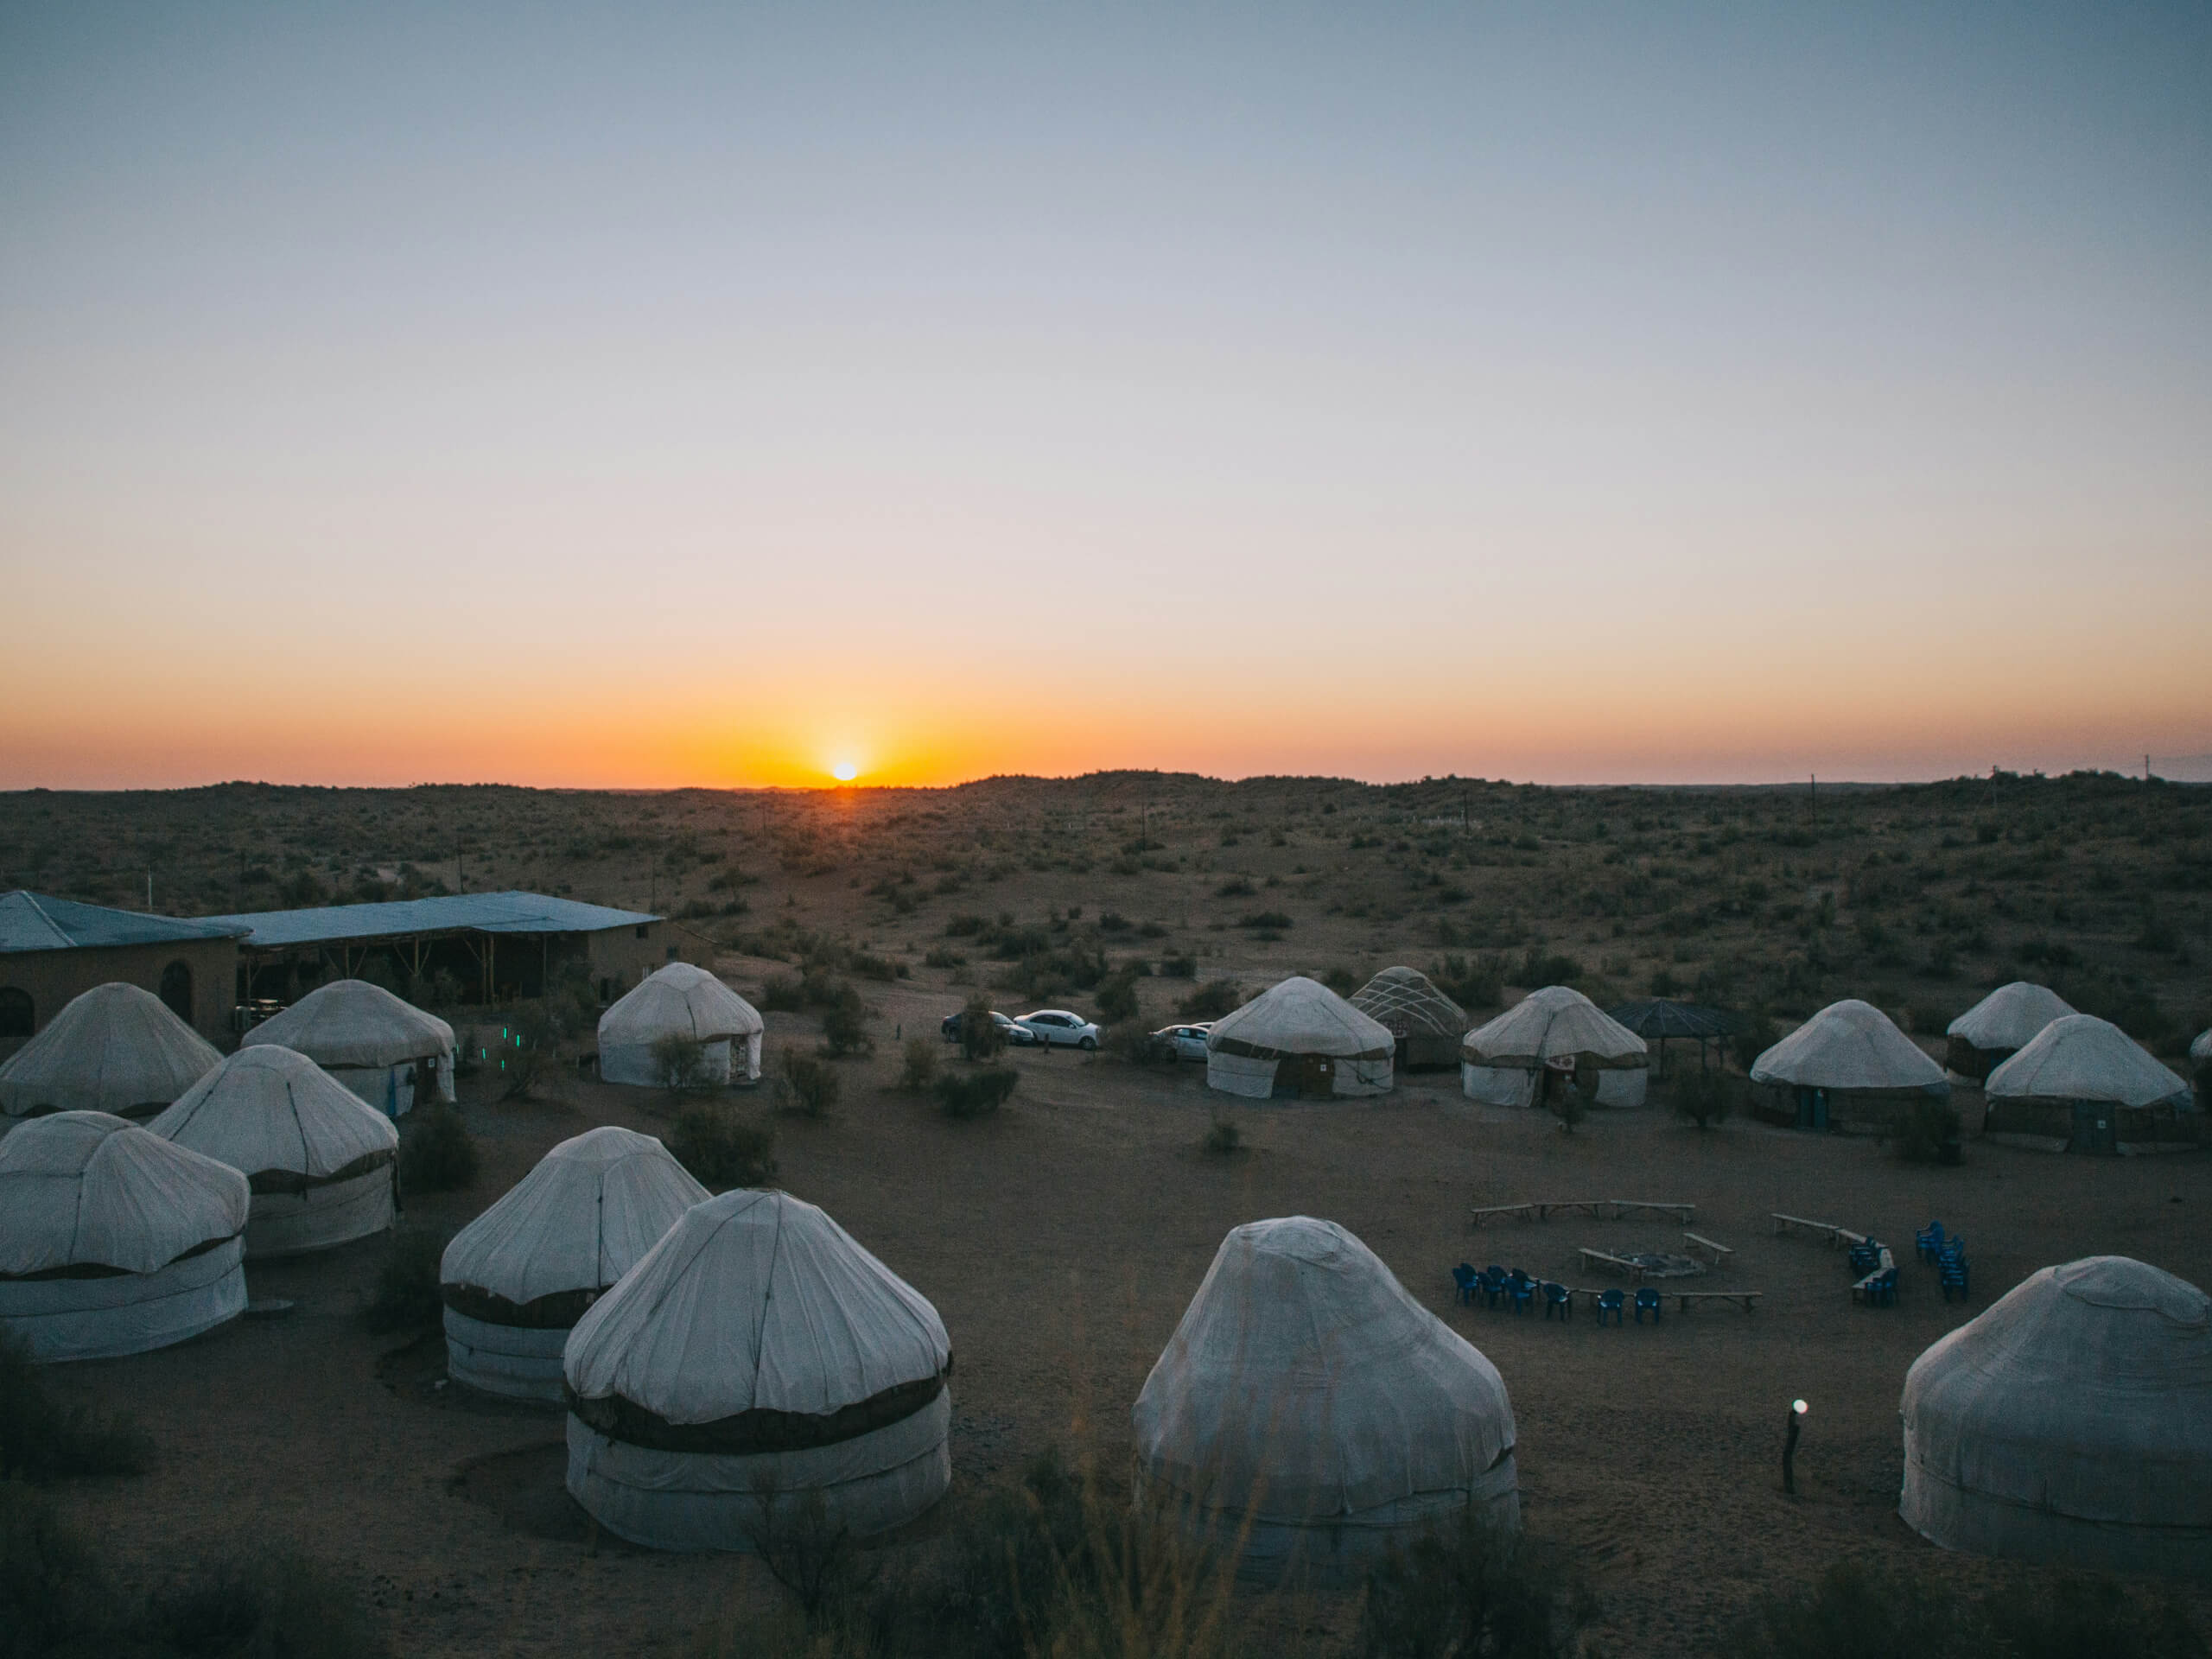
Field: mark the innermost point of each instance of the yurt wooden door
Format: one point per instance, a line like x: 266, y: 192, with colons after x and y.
x: 1315, y: 1076
x: 2096, y: 1127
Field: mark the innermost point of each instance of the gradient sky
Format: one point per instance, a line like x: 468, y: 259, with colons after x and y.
x: 712, y: 395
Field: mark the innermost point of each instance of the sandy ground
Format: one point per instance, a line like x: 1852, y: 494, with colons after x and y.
x: 1061, y: 1243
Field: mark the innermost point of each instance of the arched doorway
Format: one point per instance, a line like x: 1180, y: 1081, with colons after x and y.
x: 18, y: 1017
x: 176, y: 990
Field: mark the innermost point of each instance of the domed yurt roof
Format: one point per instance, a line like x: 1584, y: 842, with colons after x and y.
x: 1407, y: 1003
x: 2071, y: 1422
x: 1849, y: 1045
x: 2079, y: 1057
x: 116, y: 1048
x: 2010, y: 1016
x: 1301, y: 1016
x: 1550, y: 1024
x: 87, y: 1189
x: 1304, y: 1384
x: 681, y: 999
x: 268, y: 1110
x: 589, y: 1210
x: 754, y: 1302
x: 2200, y: 1050
x: 350, y: 1022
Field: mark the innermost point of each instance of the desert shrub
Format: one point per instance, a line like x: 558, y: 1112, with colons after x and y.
x: 722, y: 1149
x: 1271, y: 921
x: 1130, y: 1043
x: 1663, y: 984
x: 782, y: 993
x: 55, y: 1597
x: 844, y: 1030
x: 1926, y: 1132
x: 1539, y: 970
x: 1702, y: 1097
x: 1117, y: 999
x: 1222, y: 1136
x: 939, y: 956
x: 874, y: 966
x: 43, y: 1438
x: 2067, y: 1617
x: 806, y: 1086
x: 1752, y: 1039
x: 527, y: 1053
x: 1212, y: 999
x: 1236, y: 887
x: 980, y: 1036
x: 1178, y: 967
x: 974, y: 1094
x: 1472, y: 982
x: 679, y: 1063
x: 1341, y: 980
x: 1469, y: 1589
x: 918, y: 1066
x: 278, y: 1604
x: 437, y: 1152
x: 405, y: 1296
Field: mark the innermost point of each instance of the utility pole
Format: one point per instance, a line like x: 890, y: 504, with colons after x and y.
x: 1813, y: 778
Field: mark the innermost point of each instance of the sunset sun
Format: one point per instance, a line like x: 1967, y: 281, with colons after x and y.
x: 844, y: 771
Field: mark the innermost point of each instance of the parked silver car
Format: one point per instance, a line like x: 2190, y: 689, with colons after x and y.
x: 1059, y: 1028
x: 1185, y: 1042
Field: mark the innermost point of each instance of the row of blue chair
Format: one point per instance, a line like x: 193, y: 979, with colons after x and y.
x: 1519, y: 1291
x: 1948, y: 1253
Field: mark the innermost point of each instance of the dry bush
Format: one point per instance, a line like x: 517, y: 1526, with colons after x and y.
x: 975, y: 1094
x: 406, y: 1295
x: 1703, y: 1097
x: 679, y: 1064
x: 980, y: 1036
x: 844, y: 1027
x: 721, y: 1149
x: 43, y: 1438
x: 1212, y: 999
x: 1222, y: 1137
x: 806, y: 1086
x: 437, y: 1152
x: 918, y: 1064
x: 1470, y: 1589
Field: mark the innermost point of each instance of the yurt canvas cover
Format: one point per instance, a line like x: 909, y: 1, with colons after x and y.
x: 1998, y: 1026
x: 2084, y: 1084
x: 322, y: 1165
x: 1558, y: 1030
x: 680, y: 1000
x: 1298, y: 1041
x: 114, y: 1241
x: 518, y: 1277
x: 756, y: 1364
x: 116, y: 1048
x: 2069, y: 1425
x: 1309, y: 1407
x: 378, y: 1046
x: 1846, y: 1067
x: 1425, y: 1023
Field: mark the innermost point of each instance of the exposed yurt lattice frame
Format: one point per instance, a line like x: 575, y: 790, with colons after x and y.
x: 1427, y: 1023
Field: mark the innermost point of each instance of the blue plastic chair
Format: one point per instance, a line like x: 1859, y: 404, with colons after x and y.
x: 1885, y: 1289
x: 1929, y: 1239
x: 1610, y: 1301
x: 1522, y: 1289
x: 1955, y: 1275
x: 1647, y: 1300
x: 1558, y: 1298
x: 1464, y: 1281
x: 1494, y: 1282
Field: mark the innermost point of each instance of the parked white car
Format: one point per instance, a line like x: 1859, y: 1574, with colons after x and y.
x: 1185, y: 1042
x: 1057, y: 1028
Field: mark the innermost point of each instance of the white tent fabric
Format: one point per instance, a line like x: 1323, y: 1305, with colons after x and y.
x: 1309, y: 1407
x: 2010, y: 1016
x: 686, y: 1001
x: 1849, y: 1046
x: 1500, y: 1061
x: 517, y: 1278
x: 2079, y: 1057
x: 114, y: 1241
x: 116, y: 1048
x: 2071, y: 1424
x: 367, y: 1038
x: 2200, y: 1050
x: 321, y: 1164
x: 756, y: 1362
x: 1331, y: 1048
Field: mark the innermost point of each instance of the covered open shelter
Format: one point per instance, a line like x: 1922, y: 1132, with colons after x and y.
x: 2069, y: 1425
x: 1425, y: 1023
x: 1311, y: 1411
x: 1298, y: 1040
x: 1848, y: 1067
x: 684, y: 1003
x: 114, y: 1241
x: 1998, y: 1026
x: 2082, y: 1085
x: 322, y: 1165
x: 389, y: 1052
x: 1663, y: 1021
x: 117, y: 1048
x: 1552, y: 1039
x: 517, y: 1278
x: 757, y: 1370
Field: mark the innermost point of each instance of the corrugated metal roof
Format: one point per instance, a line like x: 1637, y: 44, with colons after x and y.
x: 34, y: 921
x: 483, y: 913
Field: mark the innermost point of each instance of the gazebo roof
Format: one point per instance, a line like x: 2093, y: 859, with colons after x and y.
x: 1667, y: 1018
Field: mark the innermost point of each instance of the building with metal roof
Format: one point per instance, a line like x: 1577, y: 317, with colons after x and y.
x: 52, y: 950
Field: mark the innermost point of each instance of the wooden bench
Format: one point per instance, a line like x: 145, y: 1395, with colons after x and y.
x: 1747, y: 1300
x: 1476, y: 1216
x: 1597, y: 1209
x: 1864, y: 1290
x: 1835, y: 1235
x: 1594, y: 1257
x: 1697, y: 1241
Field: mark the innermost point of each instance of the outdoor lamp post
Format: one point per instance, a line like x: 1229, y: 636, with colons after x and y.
x: 1789, y: 1447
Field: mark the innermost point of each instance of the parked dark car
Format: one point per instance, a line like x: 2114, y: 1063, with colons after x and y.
x: 1012, y: 1035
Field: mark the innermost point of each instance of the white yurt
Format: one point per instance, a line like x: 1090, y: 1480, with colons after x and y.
x: 322, y: 1165
x: 381, y: 1048
x: 757, y: 1368
x: 1298, y: 1041
x: 680, y: 1000
x: 1848, y: 1066
x: 2069, y: 1425
x: 2200, y: 1057
x: 1425, y: 1022
x: 116, y: 1048
x: 518, y: 1278
x: 114, y: 1241
x: 2082, y: 1085
x: 1310, y: 1407
x: 1998, y: 1026
x: 1550, y: 1038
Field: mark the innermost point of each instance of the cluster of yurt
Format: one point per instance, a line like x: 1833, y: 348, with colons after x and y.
x: 1848, y: 1067
x: 1307, y: 1412
x: 680, y: 1003
x: 1998, y: 1026
x: 1554, y: 1038
x: 115, y: 1048
x: 517, y: 1278
x: 1298, y: 1041
x: 386, y: 1051
x: 1426, y: 1024
x: 2082, y: 1085
x: 2070, y: 1424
